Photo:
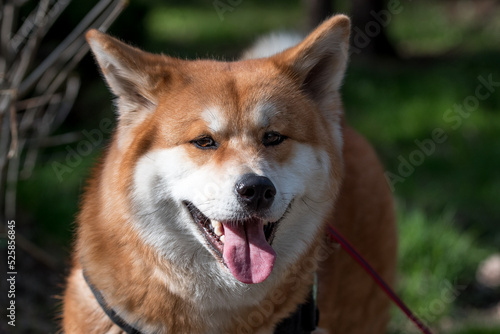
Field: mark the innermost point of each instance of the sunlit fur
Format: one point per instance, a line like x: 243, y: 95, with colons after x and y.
x: 139, y: 245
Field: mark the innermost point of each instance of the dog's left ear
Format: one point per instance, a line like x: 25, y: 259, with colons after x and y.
x: 318, y: 63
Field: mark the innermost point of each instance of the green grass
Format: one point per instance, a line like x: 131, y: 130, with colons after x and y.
x: 478, y: 330
x: 396, y: 105
x: 435, y: 259
x: 448, y: 217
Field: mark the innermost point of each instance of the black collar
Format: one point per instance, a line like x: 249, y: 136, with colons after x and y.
x: 127, y: 328
x: 303, y: 321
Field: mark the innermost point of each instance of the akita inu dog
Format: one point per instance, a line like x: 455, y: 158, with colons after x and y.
x: 208, y: 211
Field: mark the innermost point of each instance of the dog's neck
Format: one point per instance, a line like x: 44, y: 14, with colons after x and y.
x: 303, y: 320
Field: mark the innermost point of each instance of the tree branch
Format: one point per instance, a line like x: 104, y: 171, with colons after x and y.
x: 31, y: 80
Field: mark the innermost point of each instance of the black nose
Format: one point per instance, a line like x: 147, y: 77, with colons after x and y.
x: 255, y: 192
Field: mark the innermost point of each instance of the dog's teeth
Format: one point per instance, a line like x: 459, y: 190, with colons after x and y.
x: 222, y: 238
x: 218, y: 230
x: 215, y: 223
x: 217, y: 227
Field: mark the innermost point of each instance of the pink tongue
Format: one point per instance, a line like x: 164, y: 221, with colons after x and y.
x: 246, y: 252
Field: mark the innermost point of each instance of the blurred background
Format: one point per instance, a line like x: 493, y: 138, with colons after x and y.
x: 423, y: 86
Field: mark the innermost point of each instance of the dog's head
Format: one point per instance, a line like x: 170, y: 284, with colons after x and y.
x: 238, y: 159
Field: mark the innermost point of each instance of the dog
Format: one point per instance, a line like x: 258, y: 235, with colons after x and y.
x: 208, y: 211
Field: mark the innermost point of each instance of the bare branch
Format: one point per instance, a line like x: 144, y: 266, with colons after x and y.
x: 29, y: 163
x: 102, y: 23
x: 28, y: 53
x: 25, y: 126
x: 19, y: 68
x: 28, y: 120
x: 41, y: 26
x: 33, y: 102
x: 5, y: 100
x: 8, y: 18
x: 72, y: 89
x: 14, y: 134
x: 110, y: 17
x: 5, y: 31
x: 77, y: 50
x: 4, y: 148
x: 43, y: 124
x: 11, y: 186
x: 31, y: 80
x: 26, y: 28
x: 4, y: 142
x: 68, y: 55
x: 64, y: 139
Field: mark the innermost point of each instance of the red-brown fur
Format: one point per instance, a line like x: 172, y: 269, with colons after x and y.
x: 130, y: 272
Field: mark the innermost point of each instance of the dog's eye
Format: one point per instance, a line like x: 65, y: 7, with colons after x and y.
x: 272, y: 138
x: 205, y: 142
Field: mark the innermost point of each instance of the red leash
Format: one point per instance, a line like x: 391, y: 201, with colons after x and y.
x: 387, y: 289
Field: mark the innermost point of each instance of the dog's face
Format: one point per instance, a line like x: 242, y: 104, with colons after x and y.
x: 238, y: 154
x: 232, y: 165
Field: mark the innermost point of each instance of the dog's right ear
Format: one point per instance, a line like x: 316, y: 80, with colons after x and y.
x: 129, y: 73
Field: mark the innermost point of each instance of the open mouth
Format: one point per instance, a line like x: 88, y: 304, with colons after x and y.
x: 243, y: 246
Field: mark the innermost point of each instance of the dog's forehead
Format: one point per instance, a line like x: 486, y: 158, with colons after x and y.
x: 219, y: 118
x: 239, y: 93
x: 235, y: 100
